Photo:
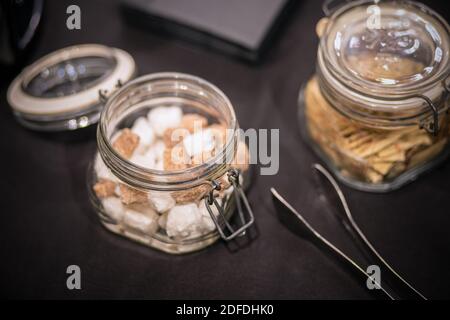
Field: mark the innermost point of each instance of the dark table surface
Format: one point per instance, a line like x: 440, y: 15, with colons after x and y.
x: 47, y: 223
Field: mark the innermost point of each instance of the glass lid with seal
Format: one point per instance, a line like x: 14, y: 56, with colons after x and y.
x: 64, y: 89
x: 387, y: 47
x: 390, y: 59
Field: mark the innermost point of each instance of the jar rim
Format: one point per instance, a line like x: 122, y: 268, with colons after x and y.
x: 151, y: 179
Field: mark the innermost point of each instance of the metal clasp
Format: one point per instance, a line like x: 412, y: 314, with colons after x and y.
x: 224, y: 227
x: 433, y: 126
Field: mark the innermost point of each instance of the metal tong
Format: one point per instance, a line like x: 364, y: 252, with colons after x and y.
x: 351, y: 226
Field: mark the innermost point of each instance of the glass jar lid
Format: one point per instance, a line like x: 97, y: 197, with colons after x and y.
x: 139, y: 96
x: 388, y: 47
x: 62, y: 90
x: 385, y: 63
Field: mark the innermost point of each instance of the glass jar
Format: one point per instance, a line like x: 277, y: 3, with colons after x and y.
x: 175, y: 209
x: 376, y: 111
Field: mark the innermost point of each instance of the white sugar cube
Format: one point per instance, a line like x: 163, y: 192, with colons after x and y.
x: 117, y: 190
x: 194, y: 234
x: 146, y: 161
x: 162, y: 118
x: 142, y: 128
x: 156, y: 151
x: 162, y: 220
x: 161, y: 201
x: 207, y: 222
x: 102, y: 170
x: 201, y: 141
x: 145, y: 222
x: 159, y: 165
x: 183, y: 221
x: 113, y: 208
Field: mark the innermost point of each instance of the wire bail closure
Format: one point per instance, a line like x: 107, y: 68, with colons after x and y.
x: 225, y: 229
x: 433, y: 126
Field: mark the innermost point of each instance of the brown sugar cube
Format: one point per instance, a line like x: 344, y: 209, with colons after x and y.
x: 126, y: 143
x: 104, y: 188
x: 192, y: 122
x: 242, y: 158
x: 142, y: 207
x: 175, y: 158
x: 129, y: 195
x: 173, y: 136
x: 191, y: 195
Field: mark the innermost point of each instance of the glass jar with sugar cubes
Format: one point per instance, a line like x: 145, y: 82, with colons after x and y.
x: 170, y: 166
x: 376, y: 111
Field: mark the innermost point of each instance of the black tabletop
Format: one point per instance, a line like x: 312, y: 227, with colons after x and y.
x: 47, y: 222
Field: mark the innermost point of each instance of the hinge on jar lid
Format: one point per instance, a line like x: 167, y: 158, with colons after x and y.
x: 226, y: 230
x: 103, y: 94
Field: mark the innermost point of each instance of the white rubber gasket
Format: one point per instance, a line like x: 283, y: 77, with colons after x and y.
x: 23, y: 102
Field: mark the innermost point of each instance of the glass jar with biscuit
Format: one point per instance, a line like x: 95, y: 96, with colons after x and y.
x: 170, y: 167
x: 376, y: 111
